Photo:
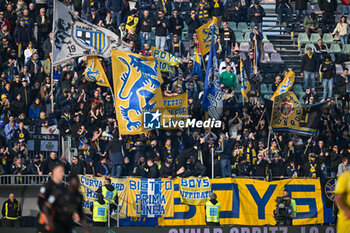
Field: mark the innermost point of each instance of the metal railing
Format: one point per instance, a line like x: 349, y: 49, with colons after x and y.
x: 25, y: 180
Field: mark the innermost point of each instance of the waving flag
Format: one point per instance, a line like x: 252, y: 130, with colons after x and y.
x: 75, y: 37
x: 285, y: 85
x: 136, y: 81
x: 94, y: 72
x: 197, y: 68
x: 245, y: 84
x: 212, y: 97
x: 205, y: 33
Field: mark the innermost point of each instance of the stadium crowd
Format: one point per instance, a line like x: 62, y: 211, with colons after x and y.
x: 85, y: 112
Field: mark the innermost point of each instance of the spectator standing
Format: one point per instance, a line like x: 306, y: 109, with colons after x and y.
x: 177, y: 24
x: 309, y: 66
x: 203, y: 10
x: 102, y: 169
x: 301, y: 7
x: 22, y: 35
x: 193, y: 23
x: 161, y: 30
x: 241, y: 10
x: 228, y: 78
x: 116, y: 7
x: 114, y: 150
x: 344, y: 166
x: 224, y: 151
x: 340, y: 32
x: 256, y: 14
x: 341, y: 83
x: 11, y: 212
x: 36, y: 167
x: 44, y: 27
x: 328, y: 8
x: 328, y: 71
x: 176, y: 47
x: 217, y: 11
x: 132, y: 21
x: 50, y: 163
x: 228, y: 39
x: 284, y: 10
x: 320, y: 51
x: 146, y: 24
x: 345, y: 7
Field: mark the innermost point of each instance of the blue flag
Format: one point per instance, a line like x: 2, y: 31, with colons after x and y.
x: 212, y: 97
x: 197, y: 68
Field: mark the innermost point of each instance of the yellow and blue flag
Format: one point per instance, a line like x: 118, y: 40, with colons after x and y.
x: 245, y: 84
x: 136, y: 82
x: 212, y: 102
x: 94, y: 72
x: 285, y: 85
x: 204, y: 34
x: 197, y: 68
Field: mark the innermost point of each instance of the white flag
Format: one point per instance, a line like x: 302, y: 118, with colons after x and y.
x: 75, y: 37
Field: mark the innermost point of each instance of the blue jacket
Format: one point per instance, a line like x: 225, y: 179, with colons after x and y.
x: 224, y: 151
x: 34, y: 113
x: 115, y: 5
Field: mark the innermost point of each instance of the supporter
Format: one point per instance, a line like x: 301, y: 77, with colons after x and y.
x: 345, y: 7
x: 277, y: 166
x: 216, y: 11
x: 50, y: 163
x: 127, y: 168
x: 167, y: 170
x: 161, y: 30
x: 284, y: 10
x: 229, y: 39
x: 193, y: 23
x: 36, y: 167
x: 341, y: 83
x: 176, y: 47
x: 328, y: 8
x: 340, y: 32
x: 344, y: 166
x: 256, y: 14
x: 116, y: 7
x: 320, y: 51
x: 44, y: 26
x: 203, y: 9
x: 261, y: 164
x: 328, y: 73
x: 192, y: 167
x: 114, y: 150
x: 311, y: 24
x: 243, y: 168
x: 18, y: 168
x: 10, y: 129
x: 228, y: 78
x: 146, y: 24
x: 293, y: 170
x: 241, y: 10
x: 312, y: 167
x: 309, y: 66
x: 177, y: 24
x: 223, y: 150
x: 132, y: 21
x: 256, y: 38
x: 336, y: 157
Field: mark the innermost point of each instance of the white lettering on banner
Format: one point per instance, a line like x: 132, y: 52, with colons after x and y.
x: 195, y: 183
x: 266, y: 229
x: 191, y: 123
x: 150, y: 185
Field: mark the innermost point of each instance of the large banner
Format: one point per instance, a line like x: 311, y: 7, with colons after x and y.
x: 167, y: 61
x: 251, y: 202
x: 194, y: 190
x: 150, y: 198
x: 90, y: 184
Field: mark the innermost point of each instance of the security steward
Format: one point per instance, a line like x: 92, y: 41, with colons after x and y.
x: 11, y: 212
x: 212, y: 211
x: 108, y: 191
x: 47, y: 201
x: 99, y: 210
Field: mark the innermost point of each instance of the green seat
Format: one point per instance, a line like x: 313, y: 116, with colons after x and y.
x: 247, y: 37
x: 263, y: 89
x: 298, y: 90
x: 346, y: 49
x: 269, y: 88
x: 328, y: 38
x: 309, y: 45
x: 303, y: 39
x: 243, y: 27
x: 239, y: 37
x: 232, y: 25
x: 335, y: 48
x: 265, y: 40
x: 315, y: 37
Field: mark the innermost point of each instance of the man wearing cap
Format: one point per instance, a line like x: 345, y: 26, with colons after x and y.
x: 328, y: 73
x: 22, y: 35
x: 36, y: 167
x: 309, y: 66
x: 312, y: 167
x: 256, y: 14
x: 101, y: 168
x: 212, y: 211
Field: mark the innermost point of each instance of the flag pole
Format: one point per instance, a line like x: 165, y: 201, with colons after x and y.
x: 52, y: 48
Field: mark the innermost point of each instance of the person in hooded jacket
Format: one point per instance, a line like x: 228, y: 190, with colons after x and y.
x: 108, y: 191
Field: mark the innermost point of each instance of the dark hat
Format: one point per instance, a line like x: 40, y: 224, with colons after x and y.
x: 313, y: 155
x: 24, y: 80
x: 170, y: 157
x: 22, y: 19
x: 37, y: 157
x: 122, y: 24
x: 167, y: 161
x: 93, y: 9
x: 133, y: 11
x: 256, y: 1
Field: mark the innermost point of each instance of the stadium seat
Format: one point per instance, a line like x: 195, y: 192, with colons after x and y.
x: 303, y: 39
x: 276, y: 58
x: 346, y: 49
x: 266, y: 58
x: 265, y: 40
x: 243, y: 27
x: 268, y: 48
x: 315, y: 37
x: 232, y: 25
x: 332, y: 56
x: 309, y: 45
x: 328, y: 38
x: 239, y: 37
x: 335, y: 48
x: 338, y: 69
x: 269, y: 88
x: 244, y: 47
x: 247, y: 37
x: 298, y: 89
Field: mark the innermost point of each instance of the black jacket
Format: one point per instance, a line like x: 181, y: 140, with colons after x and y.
x: 253, y: 10
x: 330, y: 69
x: 160, y: 29
x: 192, y: 24
x: 340, y: 85
x: 152, y: 172
x: 308, y: 64
x: 13, y: 209
x: 77, y: 169
x: 165, y: 171
x: 176, y: 22
x: 328, y: 6
x: 148, y: 27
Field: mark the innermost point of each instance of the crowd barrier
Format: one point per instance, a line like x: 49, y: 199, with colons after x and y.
x: 196, y: 229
